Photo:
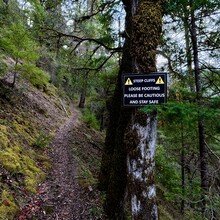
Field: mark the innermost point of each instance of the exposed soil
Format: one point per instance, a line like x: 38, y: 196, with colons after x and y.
x: 69, y: 191
x: 64, y: 196
x: 61, y: 194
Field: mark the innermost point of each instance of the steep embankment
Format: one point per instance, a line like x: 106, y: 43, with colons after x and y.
x: 59, y: 185
x: 28, y: 120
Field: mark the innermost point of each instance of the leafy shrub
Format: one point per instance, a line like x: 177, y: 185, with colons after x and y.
x: 90, y: 119
x: 35, y: 75
x: 42, y: 140
x: 3, y: 69
x: 167, y: 174
x: 17, y: 43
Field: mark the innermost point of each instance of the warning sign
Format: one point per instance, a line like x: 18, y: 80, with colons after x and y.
x: 128, y: 82
x: 141, y: 90
x: 160, y: 80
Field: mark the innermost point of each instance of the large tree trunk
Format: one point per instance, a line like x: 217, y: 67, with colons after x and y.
x: 128, y: 158
x: 147, y: 27
x: 113, y: 175
x: 141, y: 151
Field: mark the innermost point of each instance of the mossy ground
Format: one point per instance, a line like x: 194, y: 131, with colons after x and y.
x: 25, y: 114
x: 8, y: 206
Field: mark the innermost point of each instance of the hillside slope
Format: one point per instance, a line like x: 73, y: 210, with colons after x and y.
x: 36, y: 135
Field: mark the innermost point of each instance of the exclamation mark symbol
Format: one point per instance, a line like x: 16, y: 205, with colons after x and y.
x: 160, y: 80
x: 128, y: 82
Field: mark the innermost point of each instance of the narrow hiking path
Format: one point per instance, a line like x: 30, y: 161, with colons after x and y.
x: 63, y: 196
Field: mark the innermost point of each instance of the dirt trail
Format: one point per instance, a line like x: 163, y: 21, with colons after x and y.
x: 69, y: 191
x: 60, y: 195
x: 75, y: 148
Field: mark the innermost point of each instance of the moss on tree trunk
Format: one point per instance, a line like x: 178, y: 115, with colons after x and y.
x: 130, y: 139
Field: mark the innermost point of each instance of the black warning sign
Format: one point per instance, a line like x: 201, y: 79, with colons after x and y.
x: 141, y: 90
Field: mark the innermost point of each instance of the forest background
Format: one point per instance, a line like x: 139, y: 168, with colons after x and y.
x: 77, y: 46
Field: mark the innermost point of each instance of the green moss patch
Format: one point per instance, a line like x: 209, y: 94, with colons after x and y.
x: 17, y: 163
x: 10, y: 160
x: 20, y: 163
x: 8, y: 207
x: 23, y: 131
x: 4, y: 141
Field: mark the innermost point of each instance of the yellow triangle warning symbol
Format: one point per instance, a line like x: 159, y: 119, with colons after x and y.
x: 128, y: 82
x: 160, y: 80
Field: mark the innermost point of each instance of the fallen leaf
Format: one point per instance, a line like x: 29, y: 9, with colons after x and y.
x: 6, y: 203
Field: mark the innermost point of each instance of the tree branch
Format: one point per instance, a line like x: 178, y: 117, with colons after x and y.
x: 97, y: 68
x: 169, y: 63
x: 99, y: 9
x: 81, y: 40
x: 211, y: 153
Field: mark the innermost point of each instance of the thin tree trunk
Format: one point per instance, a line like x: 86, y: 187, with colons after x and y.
x: 82, y: 98
x: 188, y: 53
x: 201, y: 125
x: 14, y: 74
x: 83, y: 92
x: 182, y: 172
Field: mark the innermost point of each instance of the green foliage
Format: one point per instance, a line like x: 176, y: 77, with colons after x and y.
x: 177, y: 138
x: 38, y: 13
x: 176, y: 112
x: 48, y: 4
x: 42, y: 140
x: 86, y: 177
x: 9, y: 12
x: 182, y: 6
x: 42, y: 21
x: 96, y: 211
x: 3, y: 68
x: 90, y: 119
x: 35, y: 75
x: 167, y: 174
x: 16, y: 42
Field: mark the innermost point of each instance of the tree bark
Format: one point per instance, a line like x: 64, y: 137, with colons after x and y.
x: 83, y: 92
x: 201, y: 124
x: 141, y: 166
x: 183, y: 162
x: 146, y: 27
x: 128, y: 158
x: 113, y: 173
x: 188, y: 52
